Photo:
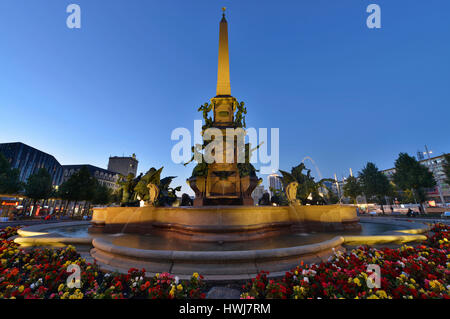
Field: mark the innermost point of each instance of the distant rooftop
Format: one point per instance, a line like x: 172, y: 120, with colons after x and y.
x: 91, y: 168
x: 20, y: 143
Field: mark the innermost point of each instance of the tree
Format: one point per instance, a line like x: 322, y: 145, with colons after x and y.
x: 9, y: 178
x: 102, y: 195
x: 374, y: 184
x: 331, y: 197
x: 410, y: 174
x: 278, y: 197
x: 80, y: 186
x: 352, y: 188
x: 39, y: 186
x: 446, y: 166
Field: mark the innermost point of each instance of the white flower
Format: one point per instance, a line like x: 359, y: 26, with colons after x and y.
x: 305, y: 279
x: 177, y: 280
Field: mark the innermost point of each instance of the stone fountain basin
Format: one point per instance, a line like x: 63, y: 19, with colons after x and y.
x: 219, y: 266
x: 224, y: 223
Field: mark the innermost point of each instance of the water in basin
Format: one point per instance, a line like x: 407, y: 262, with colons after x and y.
x: 156, y: 242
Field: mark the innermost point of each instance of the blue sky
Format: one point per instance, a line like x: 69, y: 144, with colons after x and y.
x: 340, y: 93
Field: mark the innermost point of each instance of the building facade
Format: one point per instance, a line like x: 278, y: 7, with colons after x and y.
x: 123, y: 165
x: 104, y: 177
x: 29, y: 160
x: 274, y: 181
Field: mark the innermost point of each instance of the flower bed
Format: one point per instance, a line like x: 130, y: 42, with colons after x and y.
x: 406, y: 272
x: 42, y: 273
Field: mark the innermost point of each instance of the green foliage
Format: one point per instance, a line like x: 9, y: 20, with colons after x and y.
x: 352, y: 188
x: 39, y: 185
x: 406, y: 197
x: 374, y: 184
x: 80, y: 186
x: 9, y: 178
x: 102, y: 195
x: 410, y: 174
x: 308, y: 190
x: 330, y: 197
x: 278, y: 197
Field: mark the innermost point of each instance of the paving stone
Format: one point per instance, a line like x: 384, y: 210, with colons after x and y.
x: 223, y: 293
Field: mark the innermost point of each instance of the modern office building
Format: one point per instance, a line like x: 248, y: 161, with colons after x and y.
x: 123, y: 165
x: 105, y: 177
x: 29, y: 160
x: 274, y: 181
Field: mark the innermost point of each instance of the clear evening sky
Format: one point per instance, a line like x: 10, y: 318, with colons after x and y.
x: 340, y: 93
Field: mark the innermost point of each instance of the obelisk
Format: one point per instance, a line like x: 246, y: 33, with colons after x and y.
x: 223, y: 70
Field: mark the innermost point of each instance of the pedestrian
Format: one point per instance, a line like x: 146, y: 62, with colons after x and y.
x: 409, y: 213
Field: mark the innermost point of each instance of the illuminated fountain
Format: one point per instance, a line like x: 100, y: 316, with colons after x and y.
x: 223, y: 236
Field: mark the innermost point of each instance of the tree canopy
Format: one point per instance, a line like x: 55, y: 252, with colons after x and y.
x: 411, y: 175
x: 39, y: 185
x: 81, y: 186
x: 9, y: 178
x: 352, y: 188
x: 374, y: 184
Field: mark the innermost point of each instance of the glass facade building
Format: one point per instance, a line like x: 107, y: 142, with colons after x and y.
x: 29, y: 160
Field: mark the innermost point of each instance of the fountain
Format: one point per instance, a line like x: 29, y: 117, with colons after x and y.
x: 223, y: 211
x: 223, y: 236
